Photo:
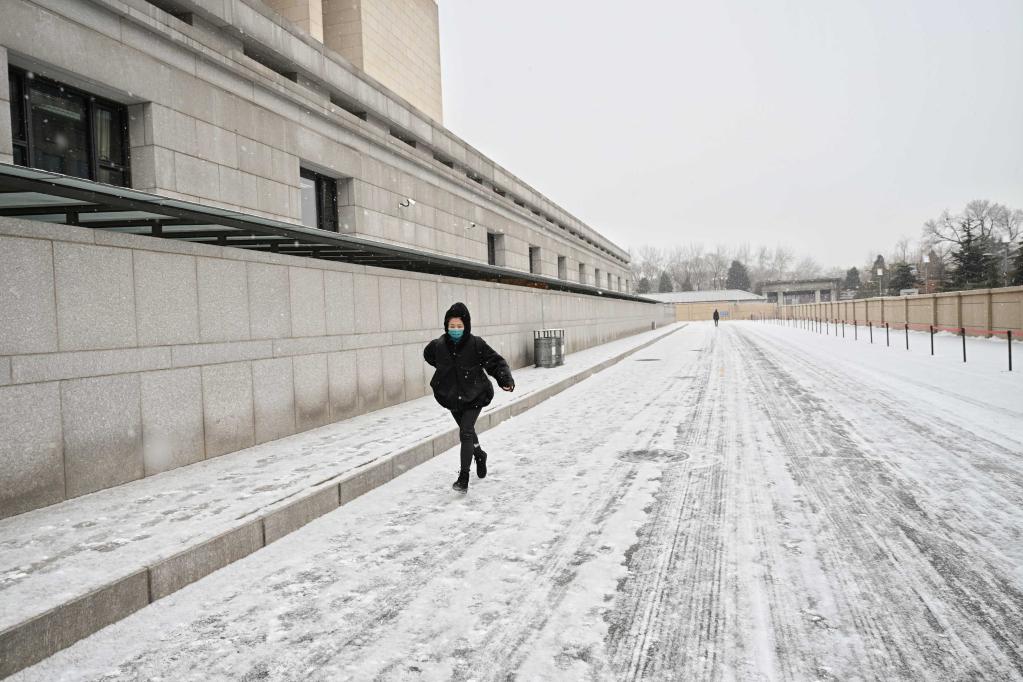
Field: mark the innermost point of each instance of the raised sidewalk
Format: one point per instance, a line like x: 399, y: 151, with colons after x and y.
x: 70, y: 569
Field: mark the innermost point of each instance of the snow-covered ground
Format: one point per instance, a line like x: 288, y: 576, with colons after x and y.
x: 53, y: 555
x: 749, y: 502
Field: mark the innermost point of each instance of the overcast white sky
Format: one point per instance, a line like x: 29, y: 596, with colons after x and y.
x: 834, y: 126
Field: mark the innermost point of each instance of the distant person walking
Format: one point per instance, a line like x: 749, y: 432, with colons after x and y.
x: 716, y: 317
x: 460, y: 385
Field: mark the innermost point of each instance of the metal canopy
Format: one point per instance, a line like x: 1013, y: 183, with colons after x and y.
x: 50, y: 197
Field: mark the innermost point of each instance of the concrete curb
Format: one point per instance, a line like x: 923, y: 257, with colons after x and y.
x: 27, y: 643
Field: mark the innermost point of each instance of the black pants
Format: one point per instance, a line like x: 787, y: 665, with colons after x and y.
x: 466, y: 420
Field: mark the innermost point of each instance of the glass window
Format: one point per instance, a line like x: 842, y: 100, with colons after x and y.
x: 109, y: 136
x: 60, y: 135
x: 319, y: 200
x: 17, y: 108
x: 491, y: 248
x: 309, y: 210
x: 58, y: 128
x: 112, y: 176
x: 326, y: 196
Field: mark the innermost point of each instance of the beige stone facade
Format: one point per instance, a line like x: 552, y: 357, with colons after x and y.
x: 229, y: 104
x: 397, y: 42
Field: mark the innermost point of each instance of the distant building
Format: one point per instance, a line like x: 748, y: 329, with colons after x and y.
x: 715, y: 296
x: 731, y: 304
x: 802, y: 291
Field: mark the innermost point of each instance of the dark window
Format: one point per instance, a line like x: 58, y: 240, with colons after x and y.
x: 491, y: 248
x: 319, y: 201
x: 582, y: 273
x: 562, y: 267
x: 18, y: 131
x: 58, y: 128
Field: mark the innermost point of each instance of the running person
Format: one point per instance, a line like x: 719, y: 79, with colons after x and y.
x: 460, y: 385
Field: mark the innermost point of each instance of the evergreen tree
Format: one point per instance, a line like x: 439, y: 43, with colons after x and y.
x: 972, y: 268
x: 738, y: 277
x: 687, y: 285
x: 644, y: 286
x: 1016, y: 278
x: 902, y: 277
x: 852, y: 278
x: 664, y: 286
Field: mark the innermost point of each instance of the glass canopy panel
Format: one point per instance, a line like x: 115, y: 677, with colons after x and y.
x: 35, y: 199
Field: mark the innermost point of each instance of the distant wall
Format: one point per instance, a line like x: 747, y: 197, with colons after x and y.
x: 978, y: 310
x: 123, y: 356
x: 686, y: 312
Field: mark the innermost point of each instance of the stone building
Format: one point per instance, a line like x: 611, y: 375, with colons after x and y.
x: 246, y: 221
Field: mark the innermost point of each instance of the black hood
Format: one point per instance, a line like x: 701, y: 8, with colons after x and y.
x: 460, y: 311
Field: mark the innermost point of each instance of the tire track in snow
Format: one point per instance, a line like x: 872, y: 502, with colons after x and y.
x: 640, y: 623
x: 872, y: 511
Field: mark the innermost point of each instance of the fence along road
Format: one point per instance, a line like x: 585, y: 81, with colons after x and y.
x: 729, y: 503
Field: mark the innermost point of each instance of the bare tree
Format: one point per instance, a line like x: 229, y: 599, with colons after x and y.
x: 806, y: 268
x: 1008, y: 223
x: 781, y: 259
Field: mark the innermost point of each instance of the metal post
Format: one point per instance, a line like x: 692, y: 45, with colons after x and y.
x: 907, y: 336
x: 870, y: 326
x: 856, y: 332
x: 932, y: 339
x: 1008, y: 333
x: 963, y: 332
x: 843, y: 329
x: 887, y: 336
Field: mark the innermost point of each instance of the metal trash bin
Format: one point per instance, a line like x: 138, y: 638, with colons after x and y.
x: 548, y: 347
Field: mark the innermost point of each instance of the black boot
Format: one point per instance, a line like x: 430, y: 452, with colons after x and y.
x: 481, y: 461
x: 462, y: 484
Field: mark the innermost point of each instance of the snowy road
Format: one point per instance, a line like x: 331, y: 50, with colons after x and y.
x: 750, y: 502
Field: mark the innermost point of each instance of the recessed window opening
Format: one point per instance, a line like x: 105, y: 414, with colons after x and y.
x: 407, y: 139
x: 447, y: 162
x: 174, y: 9
x: 582, y: 273
x: 562, y: 267
x: 274, y: 65
x: 58, y: 128
x: 534, y: 260
x: 350, y: 107
x: 319, y: 200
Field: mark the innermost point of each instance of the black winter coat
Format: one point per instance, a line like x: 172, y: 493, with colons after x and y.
x: 459, y: 381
